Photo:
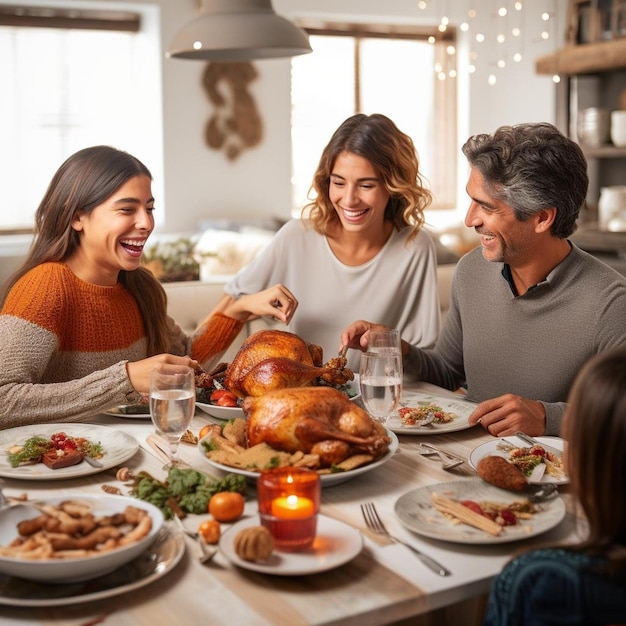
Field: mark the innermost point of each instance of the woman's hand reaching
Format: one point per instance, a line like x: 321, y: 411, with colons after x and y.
x: 277, y: 302
x: 139, y: 371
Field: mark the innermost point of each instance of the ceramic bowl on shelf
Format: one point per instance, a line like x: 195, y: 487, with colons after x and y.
x: 594, y: 125
x: 618, y: 128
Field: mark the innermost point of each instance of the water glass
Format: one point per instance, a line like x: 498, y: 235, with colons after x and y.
x: 386, y: 340
x: 172, y: 405
x: 289, y: 502
x: 380, y: 382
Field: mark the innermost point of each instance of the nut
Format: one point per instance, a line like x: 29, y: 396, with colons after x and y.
x: 111, y: 489
x: 254, y: 544
x: 124, y: 474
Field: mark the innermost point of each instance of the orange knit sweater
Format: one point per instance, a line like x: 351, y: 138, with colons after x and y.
x: 64, y: 344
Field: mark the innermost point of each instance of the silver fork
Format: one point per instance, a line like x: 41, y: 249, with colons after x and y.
x: 448, y: 461
x: 3, y: 499
x: 374, y: 523
x: 208, y: 552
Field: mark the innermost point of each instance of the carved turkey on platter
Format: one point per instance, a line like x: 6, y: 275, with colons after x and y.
x: 276, y: 359
x: 314, y: 420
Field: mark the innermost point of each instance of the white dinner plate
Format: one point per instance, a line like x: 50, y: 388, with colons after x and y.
x: 490, y: 448
x: 416, y: 511
x: 458, y: 406
x: 231, y: 412
x: 159, y: 559
x: 116, y: 445
x: 327, y: 480
x: 336, y: 543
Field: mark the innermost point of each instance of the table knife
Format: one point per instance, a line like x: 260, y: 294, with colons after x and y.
x: 93, y: 462
x: 533, y: 442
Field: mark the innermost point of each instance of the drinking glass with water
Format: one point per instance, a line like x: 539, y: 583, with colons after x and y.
x: 172, y: 405
x: 384, y: 341
x: 380, y: 382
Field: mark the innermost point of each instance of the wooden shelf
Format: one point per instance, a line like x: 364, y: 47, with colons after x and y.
x: 586, y: 58
x: 590, y: 237
x: 604, y: 152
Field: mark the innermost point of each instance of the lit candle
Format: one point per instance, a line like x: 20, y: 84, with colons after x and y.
x: 292, y: 507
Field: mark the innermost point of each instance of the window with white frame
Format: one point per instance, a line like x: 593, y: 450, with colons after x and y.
x: 72, y: 80
x: 408, y: 76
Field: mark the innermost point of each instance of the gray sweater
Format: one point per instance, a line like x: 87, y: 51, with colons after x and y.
x: 398, y: 287
x: 532, y: 345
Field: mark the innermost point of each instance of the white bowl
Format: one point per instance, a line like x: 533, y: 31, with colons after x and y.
x: 73, y: 569
x: 618, y: 128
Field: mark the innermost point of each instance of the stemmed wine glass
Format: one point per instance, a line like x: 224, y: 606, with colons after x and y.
x: 380, y: 381
x: 172, y: 405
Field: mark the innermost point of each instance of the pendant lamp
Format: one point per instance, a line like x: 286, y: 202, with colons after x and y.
x: 238, y: 30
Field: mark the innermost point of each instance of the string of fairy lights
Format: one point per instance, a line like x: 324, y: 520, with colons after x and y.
x: 506, y: 26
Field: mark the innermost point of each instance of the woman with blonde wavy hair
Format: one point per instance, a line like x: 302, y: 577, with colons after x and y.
x: 359, y: 248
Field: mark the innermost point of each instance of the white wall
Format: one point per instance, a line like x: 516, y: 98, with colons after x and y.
x: 201, y: 183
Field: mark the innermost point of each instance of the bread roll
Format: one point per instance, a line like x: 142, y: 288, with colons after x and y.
x: 499, y: 472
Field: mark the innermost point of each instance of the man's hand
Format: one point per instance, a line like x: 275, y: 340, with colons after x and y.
x: 356, y: 336
x: 508, y: 414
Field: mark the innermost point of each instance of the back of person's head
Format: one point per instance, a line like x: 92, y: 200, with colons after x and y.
x: 595, y: 430
x: 532, y: 167
x: 392, y: 154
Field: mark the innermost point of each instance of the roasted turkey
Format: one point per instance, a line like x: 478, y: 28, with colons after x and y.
x: 276, y: 359
x: 314, y: 420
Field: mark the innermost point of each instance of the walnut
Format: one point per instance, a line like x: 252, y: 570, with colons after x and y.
x: 189, y: 437
x: 124, y: 474
x: 254, y: 543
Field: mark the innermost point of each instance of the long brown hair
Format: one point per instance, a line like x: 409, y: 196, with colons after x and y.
x: 595, y: 429
x: 84, y: 181
x: 392, y: 154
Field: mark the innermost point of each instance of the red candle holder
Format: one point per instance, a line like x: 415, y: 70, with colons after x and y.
x: 289, y: 502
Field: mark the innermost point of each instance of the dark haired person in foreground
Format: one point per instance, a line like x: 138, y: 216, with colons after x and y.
x: 584, y: 584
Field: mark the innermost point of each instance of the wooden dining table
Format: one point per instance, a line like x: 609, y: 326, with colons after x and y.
x: 385, y: 583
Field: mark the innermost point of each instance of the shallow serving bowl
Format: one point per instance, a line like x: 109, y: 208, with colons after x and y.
x: 231, y: 412
x: 73, y: 569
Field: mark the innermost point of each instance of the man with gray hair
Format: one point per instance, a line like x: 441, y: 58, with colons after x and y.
x: 528, y: 307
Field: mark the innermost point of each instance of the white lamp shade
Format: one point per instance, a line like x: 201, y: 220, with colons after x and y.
x: 238, y: 30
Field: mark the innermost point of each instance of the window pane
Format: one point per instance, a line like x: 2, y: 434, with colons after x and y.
x: 397, y: 79
x: 322, y: 97
x: 84, y: 90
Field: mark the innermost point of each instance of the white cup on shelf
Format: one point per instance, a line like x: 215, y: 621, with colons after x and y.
x: 612, y: 207
x: 618, y: 128
x: 594, y: 127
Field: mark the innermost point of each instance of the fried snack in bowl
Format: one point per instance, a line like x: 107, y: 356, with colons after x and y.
x: 497, y: 471
x: 72, y: 538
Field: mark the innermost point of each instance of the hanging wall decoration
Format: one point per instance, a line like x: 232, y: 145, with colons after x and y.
x: 236, y: 123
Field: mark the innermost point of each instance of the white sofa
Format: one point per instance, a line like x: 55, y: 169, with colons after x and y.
x: 190, y: 302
